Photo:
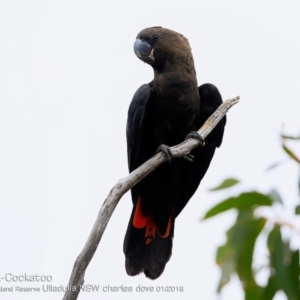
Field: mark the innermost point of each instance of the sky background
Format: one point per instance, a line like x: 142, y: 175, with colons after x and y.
x: 68, y: 73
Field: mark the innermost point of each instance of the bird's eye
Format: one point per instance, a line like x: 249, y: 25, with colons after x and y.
x: 155, y: 37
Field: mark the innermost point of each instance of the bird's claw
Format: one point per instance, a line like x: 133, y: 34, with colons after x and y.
x: 189, y: 157
x: 197, y: 136
x: 166, y: 151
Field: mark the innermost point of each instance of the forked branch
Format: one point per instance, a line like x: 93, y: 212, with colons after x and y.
x: 125, y: 184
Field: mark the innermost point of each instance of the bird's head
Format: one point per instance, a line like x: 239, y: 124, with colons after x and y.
x: 164, y: 49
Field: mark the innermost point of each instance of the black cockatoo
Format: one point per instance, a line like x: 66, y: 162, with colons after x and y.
x: 162, y: 113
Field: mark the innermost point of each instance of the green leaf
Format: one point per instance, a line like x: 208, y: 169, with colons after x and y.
x: 294, y: 272
x: 290, y: 153
x: 270, y: 290
x: 297, y: 210
x: 244, y: 237
x: 236, y: 255
x: 275, y: 197
x: 274, y: 165
x: 227, y: 261
x: 254, y: 293
x: 227, y: 183
x: 285, y: 264
x: 289, y: 137
x: 241, y: 202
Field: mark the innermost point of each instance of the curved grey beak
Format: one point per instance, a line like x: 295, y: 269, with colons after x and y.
x: 142, y: 49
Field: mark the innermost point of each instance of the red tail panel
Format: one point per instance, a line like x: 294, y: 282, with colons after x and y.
x: 140, y: 221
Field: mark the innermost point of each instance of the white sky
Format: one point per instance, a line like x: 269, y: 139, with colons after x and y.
x: 68, y: 73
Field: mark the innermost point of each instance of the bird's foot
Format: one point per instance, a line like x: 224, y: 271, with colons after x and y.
x: 197, y: 136
x: 166, y: 151
x: 189, y: 157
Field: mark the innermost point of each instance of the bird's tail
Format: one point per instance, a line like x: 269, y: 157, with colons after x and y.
x: 147, y: 249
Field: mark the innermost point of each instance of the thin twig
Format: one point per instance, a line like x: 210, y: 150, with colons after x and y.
x: 125, y: 184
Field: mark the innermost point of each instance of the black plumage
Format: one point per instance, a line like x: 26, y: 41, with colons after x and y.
x: 165, y: 111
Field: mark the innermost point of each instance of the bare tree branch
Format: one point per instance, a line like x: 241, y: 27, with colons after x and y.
x: 125, y: 184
